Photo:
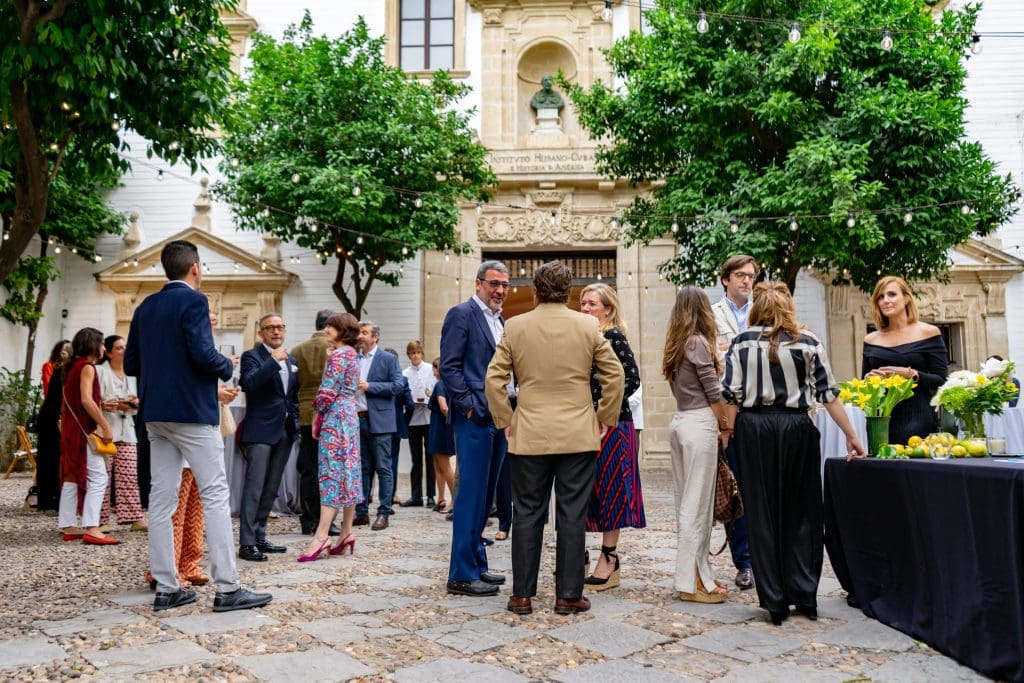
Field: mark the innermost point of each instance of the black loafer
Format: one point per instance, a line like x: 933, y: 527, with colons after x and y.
x: 493, y: 579
x: 240, y: 599
x: 474, y: 588
x: 268, y: 547
x: 744, y: 579
x: 411, y: 503
x: 171, y: 600
x: 807, y: 611
x: 334, y: 530
x: 251, y: 553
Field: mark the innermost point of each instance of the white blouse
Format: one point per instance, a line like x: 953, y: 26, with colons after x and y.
x: 113, y: 387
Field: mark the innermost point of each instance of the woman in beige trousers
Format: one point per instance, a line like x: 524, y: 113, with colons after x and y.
x: 692, y: 368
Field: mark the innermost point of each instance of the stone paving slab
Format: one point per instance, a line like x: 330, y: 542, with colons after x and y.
x: 664, y: 553
x: 347, y: 629
x: 478, y: 607
x: 316, y: 664
x: 620, y: 670
x: 295, y: 577
x: 747, y: 642
x: 828, y: 585
x: 770, y: 672
x: 141, y: 596
x: 101, y: 618
x: 454, y: 670
x: 373, y: 601
x: 124, y: 662
x: 396, y: 581
x: 666, y: 567
x: 29, y: 652
x: 412, y: 564
x: 475, y: 635
x: 604, y: 604
x: 728, y: 612
x: 836, y: 608
x: 203, y: 623
x: 870, y: 634
x: 912, y: 667
x: 283, y: 594
x: 607, y: 637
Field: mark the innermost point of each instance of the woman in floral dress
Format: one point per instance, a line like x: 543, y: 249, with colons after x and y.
x: 336, y: 425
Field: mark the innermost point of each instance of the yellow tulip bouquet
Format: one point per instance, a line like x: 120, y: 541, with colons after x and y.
x: 876, y: 395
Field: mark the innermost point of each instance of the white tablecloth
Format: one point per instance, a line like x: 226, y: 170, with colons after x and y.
x: 1009, y: 425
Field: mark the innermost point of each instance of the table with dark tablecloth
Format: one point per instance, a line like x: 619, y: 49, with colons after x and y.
x: 935, y: 549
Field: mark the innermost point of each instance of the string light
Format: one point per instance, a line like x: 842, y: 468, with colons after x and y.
x: 359, y: 240
x: 160, y: 175
x: 965, y: 209
x: 734, y: 227
x: 975, y: 44
x: 115, y: 126
x: 296, y: 178
x: 65, y: 105
x: 851, y: 221
x: 479, y: 208
x: 702, y: 23
x: 794, y: 33
x: 886, y: 40
x: 356, y: 190
x: 418, y: 202
x: 458, y: 281
x: 908, y: 217
x: 606, y: 13
x: 675, y: 225
x: 233, y: 163
x: 56, y: 249
x: 793, y: 225
x: 405, y: 251
x: 174, y: 145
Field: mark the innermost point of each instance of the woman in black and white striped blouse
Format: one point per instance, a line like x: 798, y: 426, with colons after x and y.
x: 774, y: 372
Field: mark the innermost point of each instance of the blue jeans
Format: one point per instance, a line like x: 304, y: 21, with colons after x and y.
x: 739, y: 544
x: 375, y: 451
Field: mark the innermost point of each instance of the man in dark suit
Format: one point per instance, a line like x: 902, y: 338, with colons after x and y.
x: 380, y: 380
x: 271, y: 384
x: 469, y: 336
x: 170, y: 350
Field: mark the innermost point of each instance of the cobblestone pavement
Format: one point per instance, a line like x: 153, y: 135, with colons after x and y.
x: 75, y: 611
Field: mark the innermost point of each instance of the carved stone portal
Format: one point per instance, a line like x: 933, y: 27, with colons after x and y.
x: 542, y: 228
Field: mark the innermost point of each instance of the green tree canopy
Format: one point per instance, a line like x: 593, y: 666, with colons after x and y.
x: 73, y: 73
x: 328, y: 147
x: 742, y: 125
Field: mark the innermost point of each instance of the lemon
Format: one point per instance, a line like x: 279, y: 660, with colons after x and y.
x: 958, y: 451
x: 915, y: 441
x: 899, y: 449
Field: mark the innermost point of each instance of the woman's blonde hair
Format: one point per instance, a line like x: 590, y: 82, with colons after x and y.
x: 610, y: 300
x: 773, y: 308
x: 691, y: 317
x: 882, y: 321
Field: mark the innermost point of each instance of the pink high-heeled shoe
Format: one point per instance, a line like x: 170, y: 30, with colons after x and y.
x: 349, y: 542
x: 315, y: 555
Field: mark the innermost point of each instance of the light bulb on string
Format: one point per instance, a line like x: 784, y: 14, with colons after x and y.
x: 359, y: 239
x: 418, y: 202
x: 54, y: 146
x: 98, y: 258
x: 615, y: 223
x: 515, y: 290
x: 479, y: 208
x: 629, y: 276
x: 405, y: 251
x: 298, y: 259
x: 74, y: 250
x: 356, y: 190
x: 56, y: 249
x: 606, y: 13
x: 599, y: 278
x: 908, y: 217
x: 887, y: 41
x: 135, y: 263
x: 51, y: 241
x: 794, y: 33
x: 428, y: 274
x: 675, y: 225
x: 702, y: 23
x: 851, y: 221
x: 234, y: 163
x: 975, y: 44
x: 263, y: 265
x: 401, y: 268
x: 793, y: 225
x: 174, y: 145
x: 447, y: 258
x: 65, y: 105
x: 1019, y: 198
x: 734, y: 227
x: 115, y: 126
x: 296, y: 177
x: 965, y: 209
x: 458, y: 281
x: 160, y: 174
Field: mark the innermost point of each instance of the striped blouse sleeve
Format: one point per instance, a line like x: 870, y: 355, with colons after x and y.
x: 825, y: 388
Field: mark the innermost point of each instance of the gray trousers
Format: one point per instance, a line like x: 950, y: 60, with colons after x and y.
x: 172, y: 445
x: 266, y: 464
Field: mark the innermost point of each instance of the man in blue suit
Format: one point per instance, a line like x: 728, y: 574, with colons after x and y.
x: 271, y: 386
x: 380, y: 380
x: 170, y: 350
x: 470, y: 333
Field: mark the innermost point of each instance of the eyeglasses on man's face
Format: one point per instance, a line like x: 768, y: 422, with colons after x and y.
x: 494, y: 284
x: 739, y: 275
x: 273, y: 328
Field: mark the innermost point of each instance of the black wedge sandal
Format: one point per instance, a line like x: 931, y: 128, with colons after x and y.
x: 596, y: 584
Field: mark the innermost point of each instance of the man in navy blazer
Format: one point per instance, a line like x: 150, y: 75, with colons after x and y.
x: 270, y: 381
x: 380, y: 380
x: 470, y: 333
x: 170, y: 349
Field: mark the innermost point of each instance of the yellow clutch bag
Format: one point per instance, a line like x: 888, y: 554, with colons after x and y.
x: 101, y: 446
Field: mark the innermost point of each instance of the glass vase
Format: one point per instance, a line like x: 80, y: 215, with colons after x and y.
x: 972, y: 428
x: 878, y: 433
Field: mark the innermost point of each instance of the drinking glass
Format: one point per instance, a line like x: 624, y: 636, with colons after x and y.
x: 996, y: 445
x: 939, y: 446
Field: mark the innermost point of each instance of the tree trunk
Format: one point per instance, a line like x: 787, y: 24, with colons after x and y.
x: 33, y: 326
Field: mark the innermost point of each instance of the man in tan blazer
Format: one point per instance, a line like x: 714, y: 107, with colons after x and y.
x: 553, y: 435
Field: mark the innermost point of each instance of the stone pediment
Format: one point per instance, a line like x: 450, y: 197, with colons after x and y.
x: 224, y: 262
x: 981, y: 256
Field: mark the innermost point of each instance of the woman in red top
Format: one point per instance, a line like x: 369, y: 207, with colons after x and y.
x: 82, y: 470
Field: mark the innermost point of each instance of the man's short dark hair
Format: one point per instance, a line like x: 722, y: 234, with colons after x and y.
x: 322, y: 316
x: 481, y: 272
x: 177, y: 258
x: 552, y: 282
x: 374, y: 327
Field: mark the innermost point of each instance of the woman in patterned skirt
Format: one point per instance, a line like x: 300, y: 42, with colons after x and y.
x: 336, y: 426
x: 120, y: 403
x: 617, y: 500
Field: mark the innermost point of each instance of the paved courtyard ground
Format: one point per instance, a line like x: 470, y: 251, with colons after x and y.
x: 74, y: 611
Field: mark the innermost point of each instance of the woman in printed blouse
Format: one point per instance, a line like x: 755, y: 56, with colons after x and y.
x: 336, y: 426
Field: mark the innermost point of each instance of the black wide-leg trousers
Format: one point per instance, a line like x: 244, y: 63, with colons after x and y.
x: 780, y: 456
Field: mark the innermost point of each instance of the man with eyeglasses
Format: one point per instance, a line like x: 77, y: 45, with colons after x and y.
x: 731, y: 314
x: 270, y: 381
x: 470, y: 333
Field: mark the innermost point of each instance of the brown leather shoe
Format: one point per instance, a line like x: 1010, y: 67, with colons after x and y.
x: 361, y: 520
x: 380, y: 523
x: 567, y: 606
x: 519, y: 605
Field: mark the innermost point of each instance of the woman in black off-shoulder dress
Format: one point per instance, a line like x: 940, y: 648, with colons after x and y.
x: 902, y: 345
